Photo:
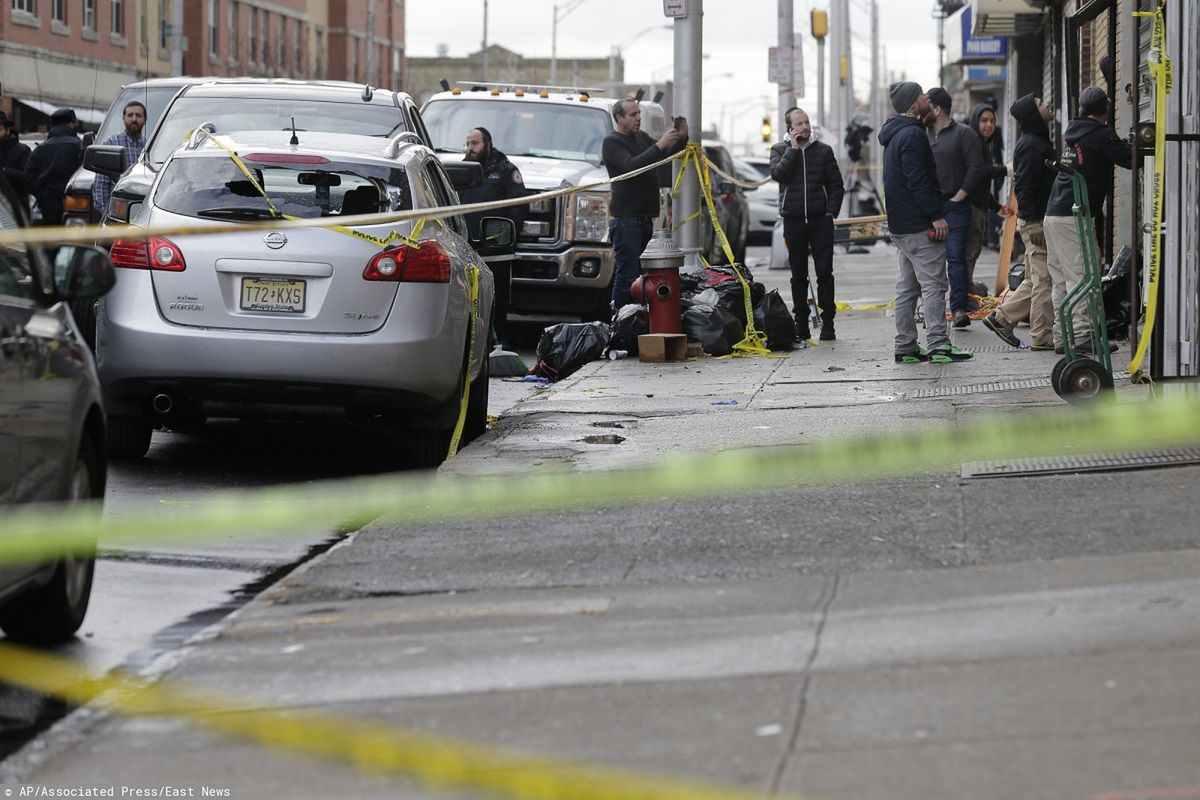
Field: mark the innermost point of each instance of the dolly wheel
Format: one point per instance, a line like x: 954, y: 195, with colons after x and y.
x: 1056, y: 372
x: 1083, y: 380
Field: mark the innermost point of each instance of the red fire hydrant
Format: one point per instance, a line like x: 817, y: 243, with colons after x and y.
x: 658, y: 286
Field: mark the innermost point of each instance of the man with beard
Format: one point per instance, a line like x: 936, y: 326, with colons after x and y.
x: 917, y: 223
x: 1032, y: 180
x: 13, y: 156
x: 51, y: 166
x: 134, y: 118
x: 501, y: 181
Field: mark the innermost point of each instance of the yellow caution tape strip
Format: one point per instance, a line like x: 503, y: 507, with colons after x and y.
x: 437, y: 762
x: 37, y: 534
x: 1163, y: 73
x: 473, y: 294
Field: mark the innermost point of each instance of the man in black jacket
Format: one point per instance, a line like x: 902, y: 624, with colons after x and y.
x: 634, y: 204
x: 1032, y: 180
x: 52, y: 165
x: 918, y: 228
x: 1092, y: 149
x: 501, y: 181
x: 13, y: 157
x: 810, y: 196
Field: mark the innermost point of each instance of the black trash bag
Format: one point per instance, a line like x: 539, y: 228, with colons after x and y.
x: 733, y: 297
x: 567, y: 346
x: 1016, y: 274
x: 1114, y: 288
x: 772, y: 317
x: 714, y: 328
x: 630, y: 322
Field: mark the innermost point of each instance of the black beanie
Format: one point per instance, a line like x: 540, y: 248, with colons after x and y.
x: 903, y: 94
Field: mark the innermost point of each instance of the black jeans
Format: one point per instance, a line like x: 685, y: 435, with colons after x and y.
x: 816, y: 237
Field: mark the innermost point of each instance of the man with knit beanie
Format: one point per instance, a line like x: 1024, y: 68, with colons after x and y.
x: 918, y: 228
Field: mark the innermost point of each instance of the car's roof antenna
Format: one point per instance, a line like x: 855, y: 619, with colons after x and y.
x: 295, y: 139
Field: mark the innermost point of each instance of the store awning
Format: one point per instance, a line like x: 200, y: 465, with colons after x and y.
x: 1005, y: 17
x: 90, y: 116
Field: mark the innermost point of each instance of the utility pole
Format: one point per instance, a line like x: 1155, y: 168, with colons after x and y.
x: 876, y: 96
x: 820, y: 29
x: 841, y: 106
x: 176, y: 38
x: 689, y: 78
x: 370, y: 41
x: 484, y: 48
x: 787, y: 44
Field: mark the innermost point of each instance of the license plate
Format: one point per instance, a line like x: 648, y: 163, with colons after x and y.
x: 273, y: 294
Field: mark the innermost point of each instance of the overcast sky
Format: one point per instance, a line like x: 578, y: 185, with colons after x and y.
x: 737, y: 34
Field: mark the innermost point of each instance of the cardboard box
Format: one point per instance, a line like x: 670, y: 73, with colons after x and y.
x: 658, y: 348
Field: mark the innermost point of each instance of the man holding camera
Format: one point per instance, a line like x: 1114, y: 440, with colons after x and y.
x: 810, y: 196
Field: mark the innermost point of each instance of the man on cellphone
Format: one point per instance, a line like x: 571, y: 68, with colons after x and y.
x: 810, y: 196
x: 918, y: 228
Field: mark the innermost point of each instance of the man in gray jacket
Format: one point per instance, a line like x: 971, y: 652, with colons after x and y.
x: 810, y: 196
x: 958, y: 153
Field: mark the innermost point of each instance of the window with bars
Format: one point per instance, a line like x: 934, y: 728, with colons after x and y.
x: 117, y: 28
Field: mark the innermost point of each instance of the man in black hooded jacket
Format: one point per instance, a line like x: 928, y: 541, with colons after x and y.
x: 13, y: 157
x: 810, y: 196
x: 1092, y: 149
x: 1032, y: 180
x: 52, y: 165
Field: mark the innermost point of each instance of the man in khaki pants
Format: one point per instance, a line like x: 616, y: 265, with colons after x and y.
x: 1032, y: 181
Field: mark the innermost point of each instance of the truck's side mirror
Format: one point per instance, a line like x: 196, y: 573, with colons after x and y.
x: 105, y: 159
x: 464, y: 174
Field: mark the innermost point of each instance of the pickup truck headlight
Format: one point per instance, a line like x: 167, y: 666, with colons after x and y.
x: 587, y: 217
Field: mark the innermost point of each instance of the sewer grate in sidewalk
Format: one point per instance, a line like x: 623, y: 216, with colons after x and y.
x: 1066, y: 465
x: 979, y: 388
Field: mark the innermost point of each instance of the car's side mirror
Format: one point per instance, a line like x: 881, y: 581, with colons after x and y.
x: 725, y: 187
x: 88, y: 139
x: 464, y: 174
x: 495, y: 233
x: 105, y: 159
x: 82, y: 272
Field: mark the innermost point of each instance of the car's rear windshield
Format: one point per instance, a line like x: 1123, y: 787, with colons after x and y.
x: 248, y: 113
x: 521, y: 128
x: 155, y: 99
x: 216, y: 188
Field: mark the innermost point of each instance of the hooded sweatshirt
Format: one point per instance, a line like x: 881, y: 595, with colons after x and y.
x: 910, y: 178
x: 994, y: 170
x: 1092, y: 149
x: 1032, y: 179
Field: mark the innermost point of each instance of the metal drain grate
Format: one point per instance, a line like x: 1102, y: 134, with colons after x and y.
x: 979, y: 388
x: 1066, y: 465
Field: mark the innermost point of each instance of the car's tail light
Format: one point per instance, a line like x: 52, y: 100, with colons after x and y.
x: 429, y: 263
x: 157, y: 253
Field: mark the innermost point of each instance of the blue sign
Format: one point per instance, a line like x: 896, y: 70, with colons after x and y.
x: 985, y: 73
x: 991, y: 47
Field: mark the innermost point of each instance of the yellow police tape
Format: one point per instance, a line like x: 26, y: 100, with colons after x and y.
x: 1163, y: 73
x: 438, y: 762
x: 473, y: 303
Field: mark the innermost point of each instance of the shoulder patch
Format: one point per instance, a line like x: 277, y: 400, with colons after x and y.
x: 516, y: 177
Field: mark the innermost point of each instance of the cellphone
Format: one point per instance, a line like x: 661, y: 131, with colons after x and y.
x: 678, y: 121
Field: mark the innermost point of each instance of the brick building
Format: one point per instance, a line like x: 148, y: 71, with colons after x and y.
x: 505, y: 66
x: 78, y: 53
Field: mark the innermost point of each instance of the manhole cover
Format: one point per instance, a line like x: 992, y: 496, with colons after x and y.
x: 608, y: 438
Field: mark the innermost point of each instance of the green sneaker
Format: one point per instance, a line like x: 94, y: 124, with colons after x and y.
x: 947, y: 353
x: 919, y: 357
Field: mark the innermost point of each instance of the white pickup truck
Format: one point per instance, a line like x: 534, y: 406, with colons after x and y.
x: 564, y: 260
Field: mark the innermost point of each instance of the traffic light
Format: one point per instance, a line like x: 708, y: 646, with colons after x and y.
x: 766, y: 128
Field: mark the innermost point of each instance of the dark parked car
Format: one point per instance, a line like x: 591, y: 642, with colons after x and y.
x: 154, y: 94
x: 51, y: 418
x: 733, y: 210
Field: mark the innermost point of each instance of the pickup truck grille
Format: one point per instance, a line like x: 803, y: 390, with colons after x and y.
x: 542, y: 222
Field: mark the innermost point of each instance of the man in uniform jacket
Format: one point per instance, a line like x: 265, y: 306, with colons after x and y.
x: 1092, y: 149
x: 810, y: 196
x: 13, y: 157
x: 52, y: 165
x: 634, y: 204
x: 501, y: 181
x: 1032, y: 180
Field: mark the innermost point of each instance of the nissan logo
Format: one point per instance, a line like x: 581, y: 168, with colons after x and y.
x: 275, y: 240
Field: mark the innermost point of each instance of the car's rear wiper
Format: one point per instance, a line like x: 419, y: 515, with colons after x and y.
x: 237, y: 212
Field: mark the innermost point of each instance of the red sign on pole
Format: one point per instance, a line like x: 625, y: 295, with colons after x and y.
x: 676, y: 9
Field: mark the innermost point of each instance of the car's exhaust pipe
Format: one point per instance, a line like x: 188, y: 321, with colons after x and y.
x: 162, y: 403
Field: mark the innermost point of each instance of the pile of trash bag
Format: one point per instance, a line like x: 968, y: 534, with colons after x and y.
x: 1114, y: 288
x: 567, y: 346
x: 630, y: 322
x: 712, y: 296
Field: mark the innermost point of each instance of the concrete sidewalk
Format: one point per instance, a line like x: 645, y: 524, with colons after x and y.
x: 837, y: 642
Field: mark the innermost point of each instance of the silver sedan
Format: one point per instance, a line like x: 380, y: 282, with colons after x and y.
x: 349, y: 324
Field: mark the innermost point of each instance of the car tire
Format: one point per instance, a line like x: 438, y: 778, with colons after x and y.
x: 475, y: 424
x: 128, y: 437
x: 52, y: 613
x: 84, y: 312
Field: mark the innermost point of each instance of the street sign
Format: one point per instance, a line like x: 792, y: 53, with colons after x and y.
x: 777, y: 69
x: 675, y: 9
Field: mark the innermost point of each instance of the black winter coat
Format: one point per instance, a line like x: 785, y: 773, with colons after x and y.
x: 994, y: 170
x: 50, y: 168
x: 501, y: 181
x: 810, y: 183
x: 1032, y: 179
x: 1092, y: 149
x: 910, y: 179
x: 13, y: 157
